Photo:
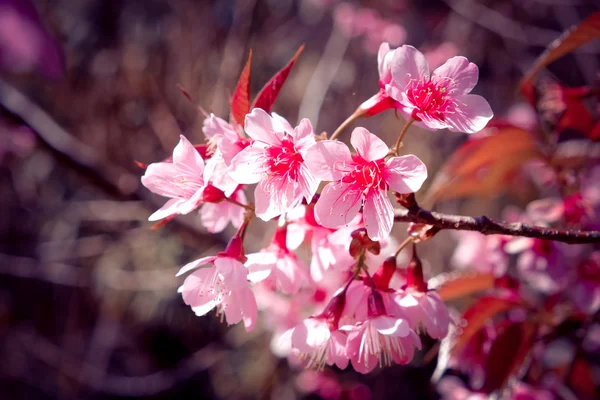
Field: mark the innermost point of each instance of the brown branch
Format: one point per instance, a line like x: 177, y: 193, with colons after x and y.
x: 414, y: 213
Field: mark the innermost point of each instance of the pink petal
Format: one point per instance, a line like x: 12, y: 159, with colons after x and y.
x: 383, y: 63
x: 325, y: 159
x: 233, y: 272
x: 408, y: 63
x: 405, y: 174
x: 205, y: 304
x: 192, y: 203
x: 248, y: 166
x: 260, y: 265
x: 195, y: 287
x: 195, y: 264
x: 249, y: 309
x: 338, y: 205
x: 158, y: 178
x: 462, y: 73
x: 337, y: 350
x: 275, y: 196
x: 281, y: 124
x: 378, y: 215
x: 472, y: 114
x: 171, y: 207
x: 307, y: 182
x: 367, y: 145
x: 304, y: 136
x: 261, y: 127
x: 310, y: 334
x: 215, y: 217
x: 233, y: 309
x: 187, y: 155
x: 214, y: 125
x: 391, y: 326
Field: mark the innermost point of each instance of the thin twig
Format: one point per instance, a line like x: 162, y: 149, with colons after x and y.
x: 398, y: 144
x: 488, y: 226
x: 348, y: 121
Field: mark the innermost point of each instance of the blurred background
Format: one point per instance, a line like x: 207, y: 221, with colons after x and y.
x: 88, y: 302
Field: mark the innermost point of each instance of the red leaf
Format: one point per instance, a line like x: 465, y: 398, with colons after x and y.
x: 507, y: 354
x: 581, y: 379
x: 268, y: 94
x: 240, y: 101
x: 484, y: 164
x: 586, y: 31
x: 141, y: 165
x: 480, y: 313
x: 464, y: 285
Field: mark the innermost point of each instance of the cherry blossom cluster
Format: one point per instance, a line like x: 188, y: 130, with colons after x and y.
x: 349, y: 300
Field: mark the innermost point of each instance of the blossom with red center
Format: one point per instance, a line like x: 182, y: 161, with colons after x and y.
x: 275, y: 161
x: 224, y: 137
x: 183, y: 180
x: 380, y: 339
x: 224, y: 285
x: 440, y: 100
x: 361, y: 180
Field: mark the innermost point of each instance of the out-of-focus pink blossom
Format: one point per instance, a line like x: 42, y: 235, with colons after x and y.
x: 182, y: 180
x: 24, y: 43
x: 275, y: 161
x: 279, y: 265
x: 224, y: 285
x: 361, y: 180
x: 216, y: 216
x: 440, y: 100
x: 483, y: 253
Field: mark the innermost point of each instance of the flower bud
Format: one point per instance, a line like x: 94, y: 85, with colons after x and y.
x: 212, y: 194
x: 384, y: 274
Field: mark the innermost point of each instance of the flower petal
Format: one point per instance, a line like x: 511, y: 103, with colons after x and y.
x: 391, y: 326
x: 261, y: 127
x: 472, y: 114
x: 233, y: 272
x: 248, y: 166
x: 275, y: 196
x: 310, y: 334
x: 367, y: 145
x: 405, y: 174
x: 338, y: 205
x: 378, y: 214
x: 195, y: 264
x: 462, y: 73
x: 260, y: 265
x: 307, y: 182
x: 408, y: 63
x: 187, y: 155
x: 214, y: 126
x: 171, y: 207
x: 383, y: 62
x: 304, y: 136
x: 326, y: 159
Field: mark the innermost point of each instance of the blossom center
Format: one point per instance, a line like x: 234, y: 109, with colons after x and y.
x: 284, y: 160
x: 366, y: 175
x: 432, y: 97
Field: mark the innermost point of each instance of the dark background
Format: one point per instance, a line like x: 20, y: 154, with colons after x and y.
x: 88, y: 302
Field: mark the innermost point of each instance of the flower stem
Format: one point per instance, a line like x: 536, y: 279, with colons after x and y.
x: 405, y: 243
x: 401, y: 136
x: 356, y: 115
x: 237, y: 203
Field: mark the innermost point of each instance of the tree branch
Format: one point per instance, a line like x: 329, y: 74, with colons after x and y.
x: 414, y: 213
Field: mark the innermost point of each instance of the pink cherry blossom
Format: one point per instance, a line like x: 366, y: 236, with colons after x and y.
x: 380, y: 340
x: 223, y: 136
x: 275, y: 161
x: 216, y: 216
x: 279, y: 265
x: 224, y: 286
x: 314, y: 339
x: 441, y: 100
x: 183, y: 180
x: 424, y: 310
x: 361, y: 180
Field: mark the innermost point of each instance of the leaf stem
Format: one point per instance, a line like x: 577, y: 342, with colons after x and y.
x: 405, y: 243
